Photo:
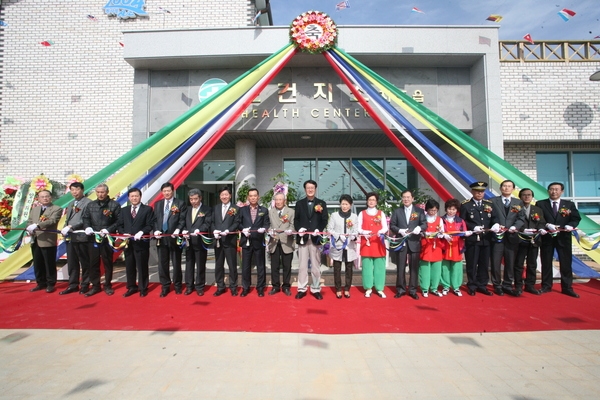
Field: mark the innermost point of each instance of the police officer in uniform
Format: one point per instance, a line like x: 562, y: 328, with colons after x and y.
x: 477, y: 213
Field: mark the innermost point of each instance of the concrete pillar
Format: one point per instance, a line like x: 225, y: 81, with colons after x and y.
x: 245, y: 162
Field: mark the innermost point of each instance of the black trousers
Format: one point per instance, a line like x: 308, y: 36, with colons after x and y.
x: 530, y: 252
x: 413, y: 269
x: 279, y: 258
x: 169, y: 251
x: 565, y: 261
x: 478, y: 260
x: 195, y: 267
x: 248, y: 252
x: 337, y: 275
x: 44, y: 264
x: 222, y: 254
x: 508, y: 252
x: 136, y: 263
x: 78, y: 256
x: 99, y: 251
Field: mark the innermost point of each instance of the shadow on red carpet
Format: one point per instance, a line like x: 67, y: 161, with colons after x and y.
x: 279, y: 313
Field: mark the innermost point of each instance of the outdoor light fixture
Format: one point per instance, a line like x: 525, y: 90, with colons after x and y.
x: 595, y: 76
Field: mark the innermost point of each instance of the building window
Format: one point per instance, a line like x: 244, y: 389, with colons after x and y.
x: 213, y: 172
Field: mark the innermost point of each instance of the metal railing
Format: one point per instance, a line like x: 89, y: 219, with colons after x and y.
x: 550, y: 51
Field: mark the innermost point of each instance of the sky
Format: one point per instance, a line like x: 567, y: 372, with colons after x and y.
x: 538, y: 18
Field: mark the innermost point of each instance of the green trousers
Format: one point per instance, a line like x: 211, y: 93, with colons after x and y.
x: 373, y: 273
x: 429, y: 275
x: 452, y: 274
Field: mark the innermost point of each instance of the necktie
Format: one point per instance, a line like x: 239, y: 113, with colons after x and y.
x: 506, y: 203
x: 280, y: 212
x: 194, y: 214
x: 224, y: 212
x: 555, y: 208
x: 166, y: 216
x: 75, y: 203
x: 133, y: 212
x: 310, y: 209
x: 407, y: 214
x: 43, y: 210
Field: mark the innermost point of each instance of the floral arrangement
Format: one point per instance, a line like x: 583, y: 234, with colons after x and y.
x: 319, y: 208
x: 7, y: 196
x: 535, y: 217
x: 40, y: 183
x: 5, y: 212
x: 107, y: 213
x: 414, y: 216
x: 72, y: 179
x: 313, y: 32
x: 377, y: 219
x: 43, y: 218
x: 487, y: 208
x: 231, y: 211
x: 565, y: 212
x: 515, y: 209
x: 174, y: 209
x: 285, y: 218
x: 349, y: 224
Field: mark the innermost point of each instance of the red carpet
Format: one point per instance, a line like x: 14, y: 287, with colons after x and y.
x: 553, y: 311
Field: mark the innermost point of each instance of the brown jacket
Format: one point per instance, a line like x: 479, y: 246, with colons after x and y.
x: 47, y: 221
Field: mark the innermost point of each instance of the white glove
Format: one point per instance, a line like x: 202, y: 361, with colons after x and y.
x: 447, y: 237
x: 530, y: 230
x: 157, y: 234
x: 402, y: 231
x: 32, y: 228
x: 495, y: 228
x: 441, y: 235
x: 365, y: 232
x: 225, y: 232
x: 185, y: 233
x: 382, y: 231
x: 543, y: 231
x: 216, y: 233
x: 175, y: 233
x: 468, y: 233
x: 246, y: 232
x: 477, y: 229
x: 301, y: 231
x: 138, y: 235
x: 288, y: 232
x: 89, y: 231
x: 569, y: 228
x: 416, y: 231
x: 351, y: 237
x: 316, y: 232
x: 196, y: 232
x: 512, y: 229
x: 551, y: 227
x: 104, y: 232
x: 65, y: 231
x: 261, y: 230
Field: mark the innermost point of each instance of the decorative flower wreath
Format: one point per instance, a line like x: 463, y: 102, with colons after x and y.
x: 414, y: 216
x: 535, y: 217
x: 231, y: 211
x: 285, y: 218
x: 349, y: 224
x: 313, y: 32
x: 515, y: 208
x: 174, y: 209
x: 319, y: 208
x: 40, y: 183
x: 564, y: 211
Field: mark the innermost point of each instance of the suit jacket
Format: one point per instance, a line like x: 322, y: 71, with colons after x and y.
x: 534, y: 221
x: 475, y: 217
x: 202, y: 222
x: 144, y: 221
x: 176, y: 218
x: 398, y: 221
x: 514, y: 216
x: 316, y: 219
x: 74, y: 218
x: 282, y: 223
x: 567, y: 215
x: 231, y: 222
x: 48, y: 220
x: 261, y: 221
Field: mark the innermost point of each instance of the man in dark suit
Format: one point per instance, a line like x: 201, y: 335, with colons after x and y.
x: 507, y: 219
x: 254, y: 221
x: 477, y: 213
x: 310, y: 216
x: 43, y: 219
x: 410, y: 221
x: 226, y: 220
x: 534, y: 224
x: 170, y: 219
x: 198, y: 219
x: 136, y: 220
x: 78, y: 255
x: 559, y: 214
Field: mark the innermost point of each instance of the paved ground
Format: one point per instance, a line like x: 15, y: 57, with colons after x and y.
x: 42, y: 364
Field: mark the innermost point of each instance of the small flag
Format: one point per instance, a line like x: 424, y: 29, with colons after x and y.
x: 596, y: 37
x: 258, y: 14
x: 92, y: 18
x: 47, y: 43
x: 341, y: 5
x: 528, y: 38
x: 494, y: 18
x: 416, y: 10
x: 566, y: 14
x: 3, y: 23
x: 164, y: 10
x: 485, y: 40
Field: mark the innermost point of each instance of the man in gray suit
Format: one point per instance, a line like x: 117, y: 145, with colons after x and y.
x: 281, y: 244
x: 508, y: 216
x: 410, y: 221
x: 78, y: 255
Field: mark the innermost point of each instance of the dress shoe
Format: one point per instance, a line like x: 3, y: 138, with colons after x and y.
x: 300, y: 295
x: 414, y: 296
x: 533, y: 291
x: 219, y: 292
x: 499, y: 291
x: 517, y: 293
x: 471, y: 292
x: 188, y: 291
x: 274, y: 291
x: 571, y: 293
x: 109, y: 291
x: 50, y: 289
x: 485, y: 291
x: 399, y: 294
x: 69, y: 290
x: 92, y: 292
x: 36, y: 288
x: 164, y: 293
x: 143, y: 293
x: 347, y: 295
x: 287, y: 291
x: 130, y: 292
x: 177, y: 290
x: 244, y: 293
x: 338, y: 295
x: 84, y: 289
x: 200, y: 292
x: 234, y: 292
x: 318, y: 295
x: 261, y: 292
x: 545, y: 290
